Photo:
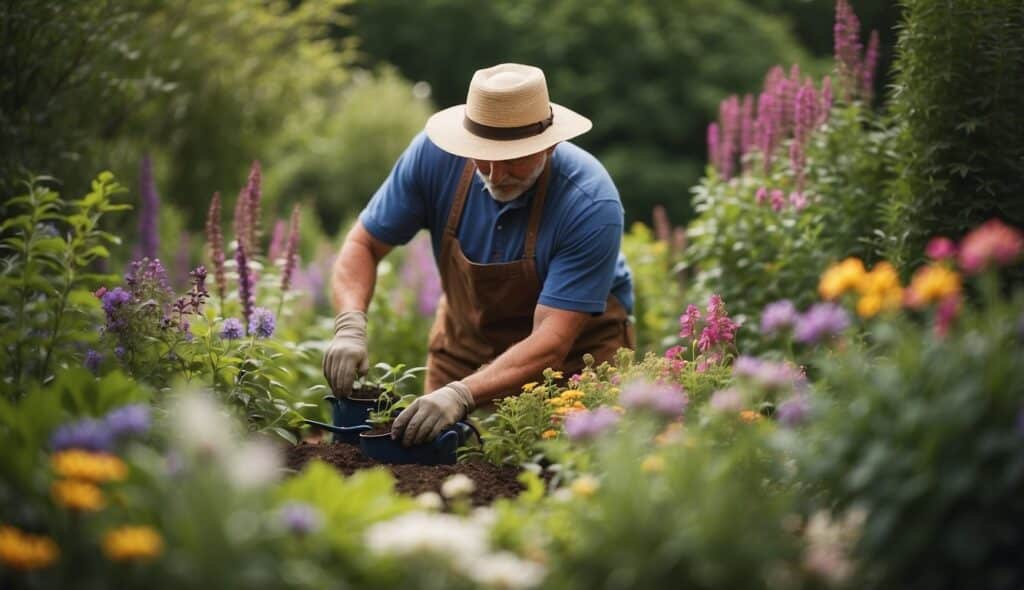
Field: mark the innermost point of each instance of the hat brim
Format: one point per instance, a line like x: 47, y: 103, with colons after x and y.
x: 445, y: 128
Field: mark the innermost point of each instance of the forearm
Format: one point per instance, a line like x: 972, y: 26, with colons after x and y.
x: 517, y: 365
x: 354, y: 275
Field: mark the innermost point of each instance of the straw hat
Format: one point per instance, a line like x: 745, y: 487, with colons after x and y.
x: 507, y: 115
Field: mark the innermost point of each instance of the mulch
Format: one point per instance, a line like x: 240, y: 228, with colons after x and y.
x: 492, y: 482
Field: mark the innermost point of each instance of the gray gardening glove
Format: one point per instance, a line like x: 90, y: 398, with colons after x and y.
x: 345, y: 357
x: 426, y: 417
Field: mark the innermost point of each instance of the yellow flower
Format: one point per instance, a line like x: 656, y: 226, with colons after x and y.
x: 529, y: 386
x: 932, y: 283
x: 869, y: 305
x: 88, y: 466
x: 585, y: 486
x: 882, y: 278
x: 548, y: 434
x: 23, y: 551
x: 578, y: 406
x: 572, y: 394
x: 653, y: 464
x: 132, y: 542
x: 556, y: 374
x: 77, y: 495
x: 840, y: 278
x: 556, y: 401
x: 749, y: 416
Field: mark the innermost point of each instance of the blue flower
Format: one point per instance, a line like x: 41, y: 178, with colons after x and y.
x: 130, y: 420
x: 92, y: 361
x: 231, y: 330
x: 88, y: 434
x: 262, y: 323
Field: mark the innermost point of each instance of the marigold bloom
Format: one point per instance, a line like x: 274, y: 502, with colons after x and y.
x: 529, y: 386
x: 77, y: 495
x: 131, y: 543
x: 869, y: 305
x: 840, y: 278
x: 749, y: 416
x: 932, y: 283
x: 549, y: 434
x: 572, y: 394
x: 24, y: 551
x: 87, y: 466
x: 883, y: 277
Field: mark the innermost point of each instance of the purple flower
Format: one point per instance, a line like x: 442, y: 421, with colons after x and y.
x: 129, y: 420
x: 262, y: 323
x: 88, y: 434
x: 778, y: 316
x: 769, y: 374
x: 586, y: 424
x: 300, y: 518
x: 726, y: 400
x: 794, y: 411
x: 245, y: 282
x: 662, y: 398
x: 277, y: 239
x: 291, y: 256
x: 718, y: 328
x: 92, y: 361
x: 149, y: 212
x: 821, y: 321
x: 231, y: 330
x: 119, y: 352
x: 111, y: 300
x: 215, y: 241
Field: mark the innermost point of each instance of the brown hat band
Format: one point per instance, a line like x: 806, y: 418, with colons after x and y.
x: 507, y: 133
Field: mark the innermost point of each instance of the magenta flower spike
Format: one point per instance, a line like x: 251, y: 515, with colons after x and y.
x: 867, y: 89
x: 291, y: 255
x: 826, y: 100
x: 241, y: 220
x: 253, y: 194
x: 846, y: 32
x: 747, y: 129
x: 714, y: 147
x: 245, y: 283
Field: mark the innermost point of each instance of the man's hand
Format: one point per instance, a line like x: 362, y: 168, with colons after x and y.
x: 346, y: 357
x: 426, y: 417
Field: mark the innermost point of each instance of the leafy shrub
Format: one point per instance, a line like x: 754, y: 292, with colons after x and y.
x: 49, y: 245
x: 655, y: 299
x: 958, y: 103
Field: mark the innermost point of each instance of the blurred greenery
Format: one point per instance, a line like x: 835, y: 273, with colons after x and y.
x: 649, y: 75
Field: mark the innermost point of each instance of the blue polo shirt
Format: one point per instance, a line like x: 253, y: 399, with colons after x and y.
x: 578, y: 257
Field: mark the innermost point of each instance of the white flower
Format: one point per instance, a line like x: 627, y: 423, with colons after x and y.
x: 562, y: 495
x: 457, y: 486
x: 254, y: 464
x: 506, y: 571
x: 425, y: 532
x: 484, y: 516
x: 429, y: 501
x: 200, y: 424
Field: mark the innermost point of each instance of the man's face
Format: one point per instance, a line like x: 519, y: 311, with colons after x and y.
x: 506, y: 180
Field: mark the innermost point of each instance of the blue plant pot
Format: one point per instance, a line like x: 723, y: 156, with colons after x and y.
x: 440, y: 451
x: 346, y: 416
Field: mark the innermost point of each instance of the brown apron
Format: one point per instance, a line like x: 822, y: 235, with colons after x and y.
x: 486, y: 308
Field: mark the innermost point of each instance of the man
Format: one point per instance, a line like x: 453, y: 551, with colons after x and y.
x: 526, y: 232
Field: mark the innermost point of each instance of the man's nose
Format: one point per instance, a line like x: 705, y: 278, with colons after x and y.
x: 496, y: 172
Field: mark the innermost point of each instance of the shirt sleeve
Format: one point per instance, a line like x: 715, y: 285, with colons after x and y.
x: 582, y: 269
x: 399, y: 208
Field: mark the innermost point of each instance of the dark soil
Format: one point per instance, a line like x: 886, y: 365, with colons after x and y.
x: 492, y: 482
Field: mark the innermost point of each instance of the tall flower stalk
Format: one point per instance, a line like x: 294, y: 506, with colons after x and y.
x: 149, y: 212
x: 215, y: 241
x: 291, y: 255
x: 252, y: 196
x: 245, y: 283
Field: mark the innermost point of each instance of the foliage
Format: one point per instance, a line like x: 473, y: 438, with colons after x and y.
x: 49, y: 245
x: 359, y: 133
x: 958, y: 102
x: 667, y: 61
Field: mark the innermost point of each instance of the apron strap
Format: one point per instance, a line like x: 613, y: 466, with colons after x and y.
x: 535, y: 212
x: 459, y: 201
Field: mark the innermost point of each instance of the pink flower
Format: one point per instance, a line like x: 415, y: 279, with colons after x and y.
x: 761, y: 196
x: 688, y: 321
x: 798, y: 200
x: 778, y: 199
x: 992, y: 242
x: 946, y: 313
x: 940, y: 249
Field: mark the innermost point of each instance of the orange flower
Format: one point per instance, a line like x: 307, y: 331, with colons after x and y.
x: 88, y: 466
x: 750, y: 416
x: 22, y: 551
x: 549, y: 433
x: 132, y: 542
x: 77, y: 495
x: 932, y: 283
x: 840, y: 278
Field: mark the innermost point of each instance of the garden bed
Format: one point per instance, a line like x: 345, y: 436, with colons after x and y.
x: 492, y: 482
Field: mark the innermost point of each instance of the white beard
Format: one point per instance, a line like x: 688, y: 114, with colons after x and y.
x: 510, y: 191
